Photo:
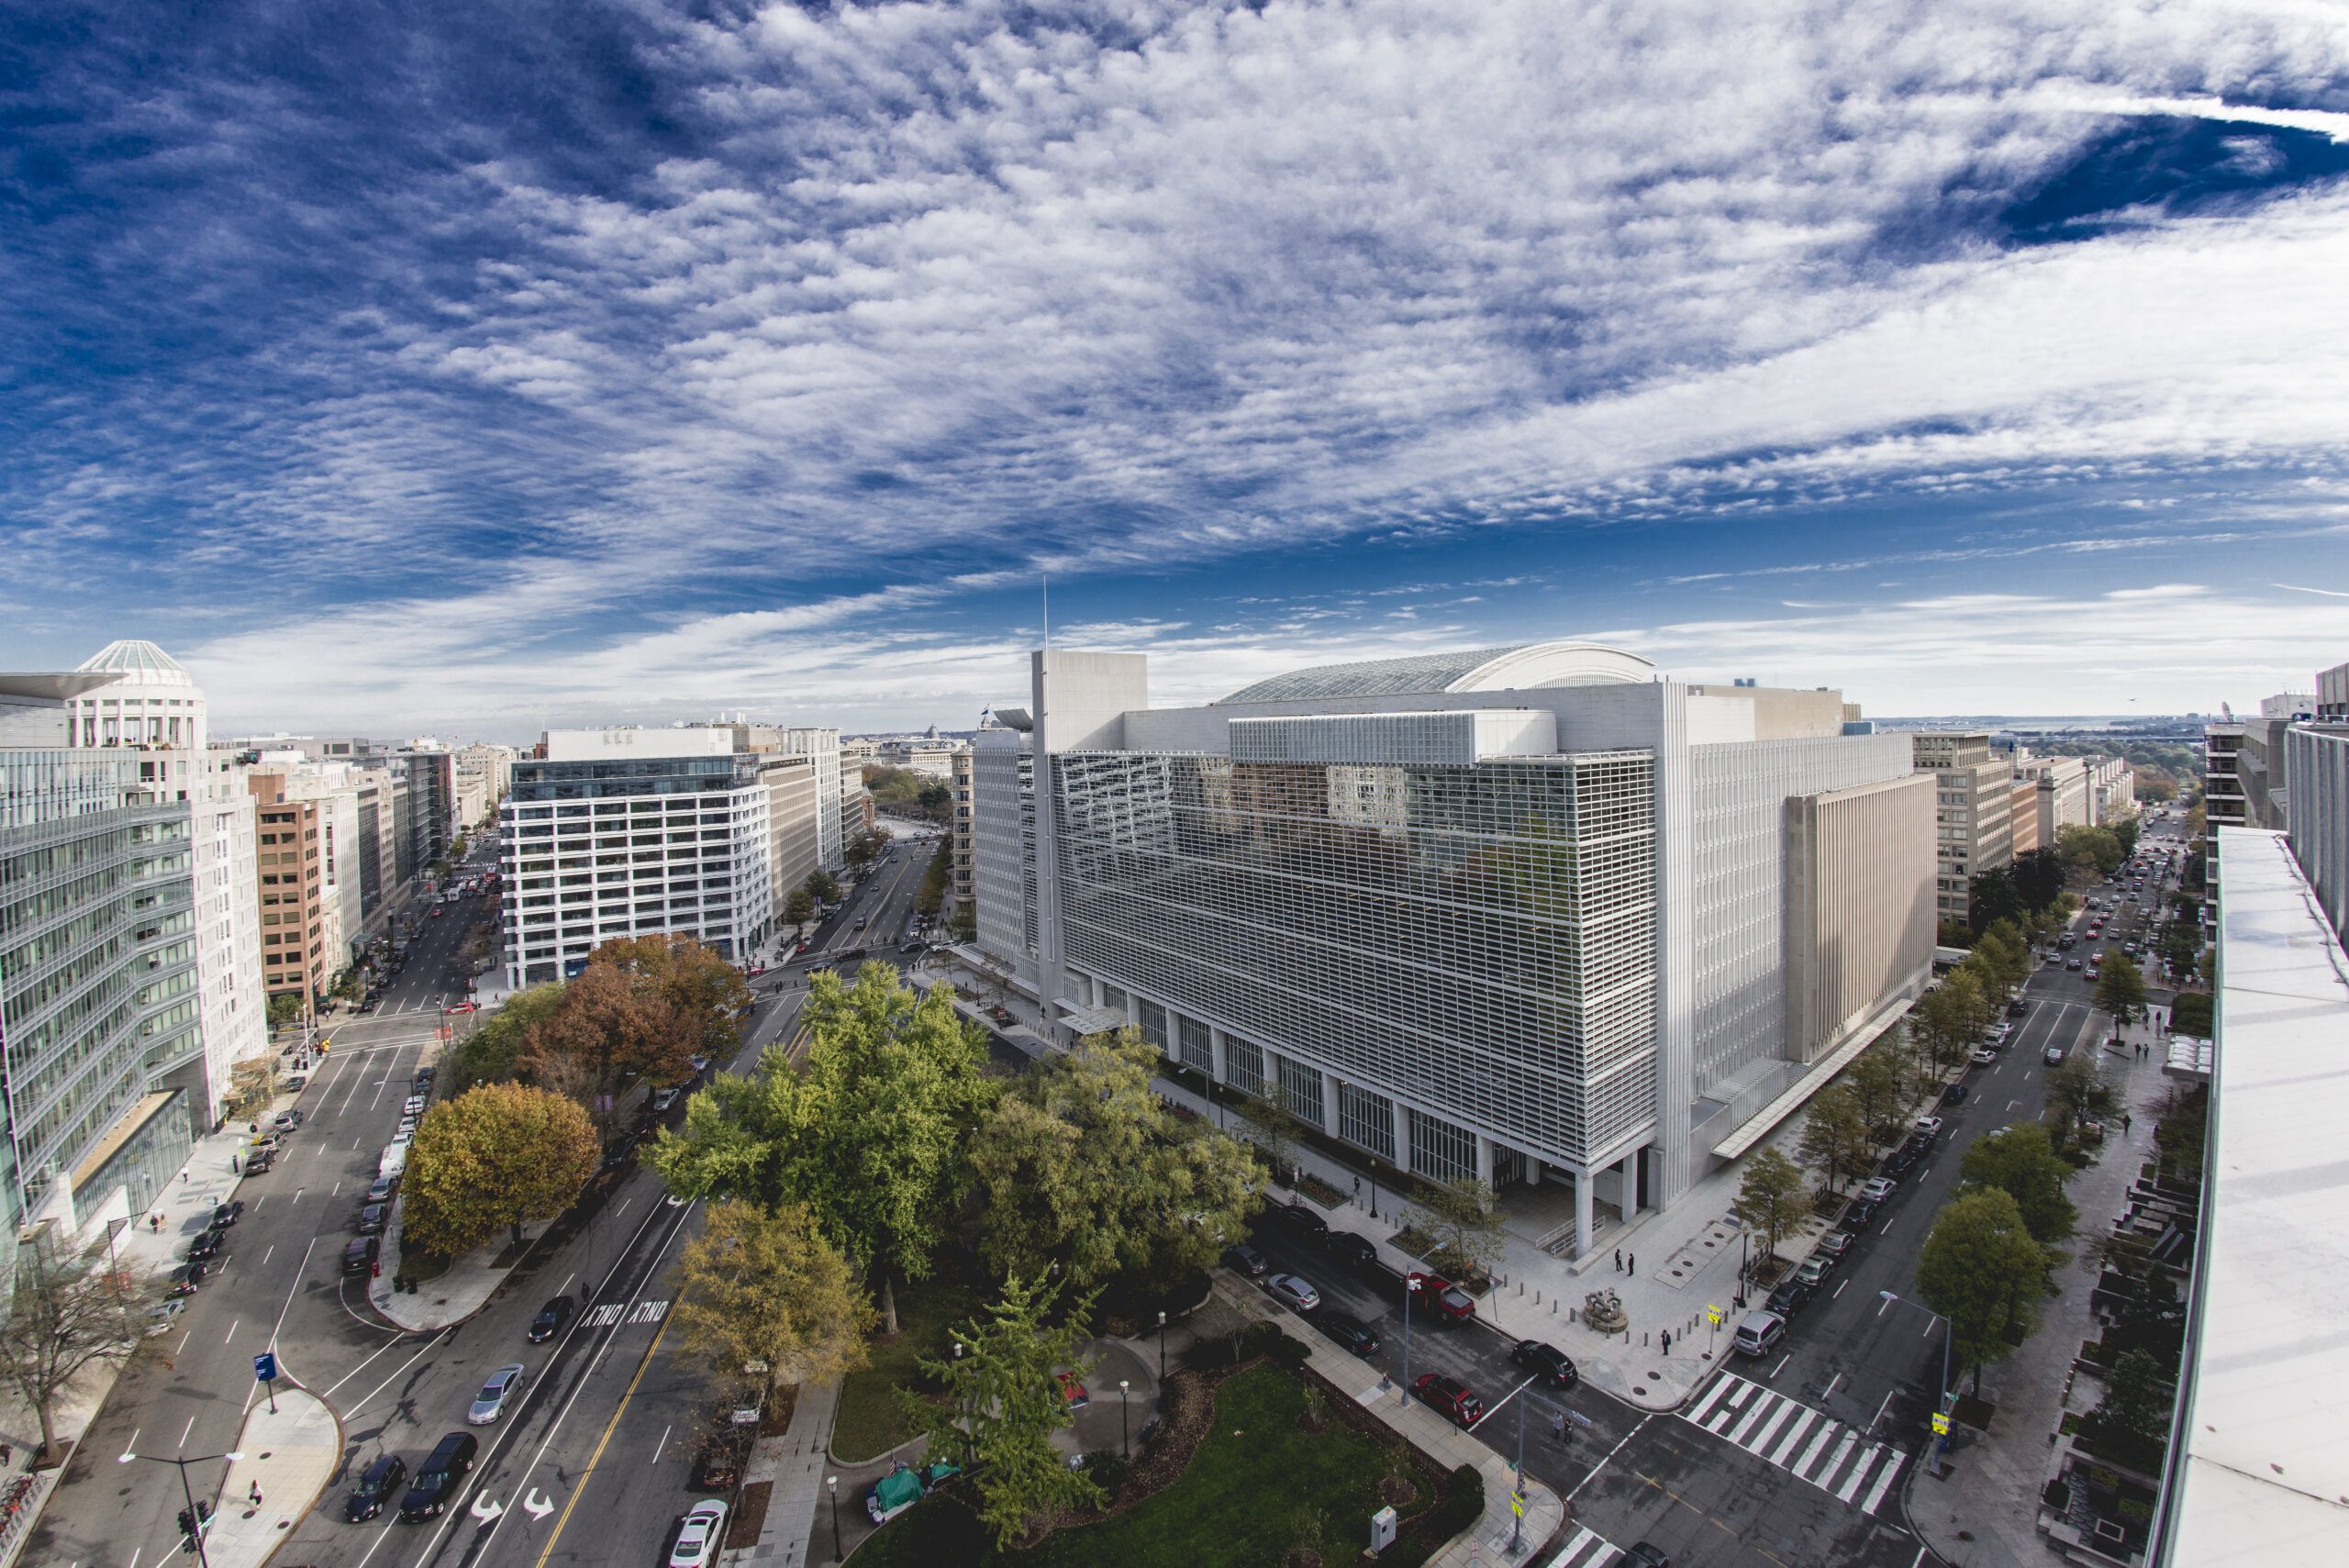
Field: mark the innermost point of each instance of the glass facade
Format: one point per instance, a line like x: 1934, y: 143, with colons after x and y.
x: 1478, y: 938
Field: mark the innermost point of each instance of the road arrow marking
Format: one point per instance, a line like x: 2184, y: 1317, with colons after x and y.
x: 486, y: 1507
x: 535, y: 1506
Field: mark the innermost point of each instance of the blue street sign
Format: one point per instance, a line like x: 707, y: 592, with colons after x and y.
x: 265, y: 1367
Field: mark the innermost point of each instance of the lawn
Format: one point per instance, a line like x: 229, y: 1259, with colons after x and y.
x: 869, y: 1423
x: 1237, y: 1505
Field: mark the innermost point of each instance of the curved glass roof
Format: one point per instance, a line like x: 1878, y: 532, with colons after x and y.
x: 1518, y: 666
x: 140, y: 664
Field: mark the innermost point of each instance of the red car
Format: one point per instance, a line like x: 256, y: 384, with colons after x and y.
x: 1440, y: 1296
x: 463, y: 1008
x: 1451, y: 1396
x: 1072, y: 1392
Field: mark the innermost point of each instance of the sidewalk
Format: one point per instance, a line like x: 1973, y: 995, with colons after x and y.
x: 292, y: 1455
x: 437, y: 1303
x: 795, y: 1465
x: 1992, y: 1488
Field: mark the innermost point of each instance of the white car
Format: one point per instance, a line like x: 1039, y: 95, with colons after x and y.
x: 494, y: 1393
x: 415, y: 1105
x: 1984, y: 1056
x: 1876, y: 1189
x: 1929, y: 1125
x: 699, y: 1535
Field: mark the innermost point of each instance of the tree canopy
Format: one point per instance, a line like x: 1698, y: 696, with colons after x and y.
x: 64, y: 1315
x: 2078, y: 1092
x: 2038, y: 877
x: 1770, y: 1200
x: 491, y: 1053
x: 493, y: 1157
x: 2084, y: 850
x: 1834, y: 1136
x: 873, y: 1138
x: 759, y: 1287
x: 1085, y: 1165
x: 1461, y: 1220
x: 2121, y: 989
x: 1980, y: 1269
x: 2022, y: 1163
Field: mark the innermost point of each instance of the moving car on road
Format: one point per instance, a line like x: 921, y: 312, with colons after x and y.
x: 1451, y: 1396
x: 1552, y: 1365
x: 550, y: 1319
x: 494, y: 1393
x: 376, y: 1484
x: 436, y: 1479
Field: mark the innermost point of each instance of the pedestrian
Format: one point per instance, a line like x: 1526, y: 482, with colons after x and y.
x: 1631, y: 1265
x: 232, y: 1165
x: 1619, y: 1260
x: 1667, y: 1341
x: 252, y: 1126
x: 2127, y: 1122
x: 256, y: 1494
x: 7, y: 1455
x: 183, y: 1178
x: 1558, y: 1424
x: 155, y: 1222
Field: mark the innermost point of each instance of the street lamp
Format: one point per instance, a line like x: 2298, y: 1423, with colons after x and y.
x: 832, y: 1485
x: 1410, y: 1288
x: 1948, y: 1330
x: 193, y: 1518
x: 1125, y: 1443
x: 1161, y: 1352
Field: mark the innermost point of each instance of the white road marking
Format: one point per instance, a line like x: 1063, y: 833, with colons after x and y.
x: 1782, y: 1363
x: 661, y: 1444
x: 184, y: 1430
x: 232, y: 1331
x: 265, y: 1252
x: 1833, y: 1294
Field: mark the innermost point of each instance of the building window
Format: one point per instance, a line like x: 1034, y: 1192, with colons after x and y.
x: 1301, y: 1091
x: 1154, y: 1026
x: 1243, y: 1065
x: 1441, y: 1151
x: 1198, y: 1050
x: 1366, y: 1119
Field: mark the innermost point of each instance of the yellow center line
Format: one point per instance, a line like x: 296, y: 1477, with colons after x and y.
x: 609, y: 1428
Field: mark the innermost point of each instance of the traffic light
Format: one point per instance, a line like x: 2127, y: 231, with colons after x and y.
x: 187, y: 1521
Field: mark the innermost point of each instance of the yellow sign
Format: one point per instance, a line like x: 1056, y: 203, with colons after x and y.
x: 1516, y: 1504
x: 1941, y: 1425
x: 1713, y: 1316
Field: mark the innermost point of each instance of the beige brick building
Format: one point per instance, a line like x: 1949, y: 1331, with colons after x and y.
x: 1973, y: 812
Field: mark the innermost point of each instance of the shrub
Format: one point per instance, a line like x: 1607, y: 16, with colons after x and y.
x: 1108, y: 1469
x: 1463, y: 1504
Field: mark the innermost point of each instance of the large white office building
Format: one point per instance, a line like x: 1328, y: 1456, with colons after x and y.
x: 1537, y: 914
x: 632, y: 833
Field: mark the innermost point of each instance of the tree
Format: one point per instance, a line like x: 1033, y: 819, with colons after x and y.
x: 705, y: 994
x: 1943, y: 1022
x: 249, y: 1085
x: 2124, y: 829
x: 1878, y: 1084
x: 934, y: 878
x: 492, y: 1053
x: 2022, y: 1162
x: 2154, y: 789
x: 494, y: 1156
x: 1003, y: 1405
x: 2005, y: 948
x: 284, y: 1009
x: 965, y: 922
x: 2076, y: 1091
x: 1770, y: 1200
x: 1951, y: 933
x: 2189, y: 1014
x: 2121, y: 989
x: 1990, y: 896
x: 2084, y: 850
x: 1461, y: 1220
x: 799, y: 907
x: 873, y: 1138
x: 1834, y: 1136
x: 822, y: 886
x: 862, y: 848
x: 1083, y: 1165
x: 757, y: 1288
x: 1277, y: 1132
x: 1981, y: 1270
x: 64, y: 1315
x: 2038, y: 877
x: 2130, y: 1423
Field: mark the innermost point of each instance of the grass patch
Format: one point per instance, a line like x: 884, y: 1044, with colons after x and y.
x: 869, y: 1422
x: 1240, y: 1504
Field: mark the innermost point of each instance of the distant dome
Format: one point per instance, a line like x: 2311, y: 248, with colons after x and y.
x: 138, y: 663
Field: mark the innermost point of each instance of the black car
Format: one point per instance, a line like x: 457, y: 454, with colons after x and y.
x: 1246, y: 1260
x: 359, y: 1257
x: 1955, y: 1096
x: 204, y: 1246
x: 376, y: 1484
x: 1353, y: 1336
x: 227, y: 1214
x: 1552, y: 1365
x: 1857, y: 1217
x: 1300, y: 1219
x: 550, y: 1319
x: 1349, y: 1248
x: 371, y: 1220
x: 436, y: 1477
x: 1791, y: 1293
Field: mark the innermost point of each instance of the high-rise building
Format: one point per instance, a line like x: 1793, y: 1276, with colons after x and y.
x: 633, y: 832
x: 824, y: 746
x: 101, y: 1011
x: 1526, y: 914
x: 296, y: 956
x: 2333, y: 694
x: 2022, y: 815
x: 960, y: 847
x: 2064, y: 798
x: 154, y: 709
x: 1973, y: 813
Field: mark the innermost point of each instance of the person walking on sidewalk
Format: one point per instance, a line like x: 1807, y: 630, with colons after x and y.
x: 1667, y: 1341
x: 1619, y: 1260
x: 256, y: 1495
x: 1631, y: 1265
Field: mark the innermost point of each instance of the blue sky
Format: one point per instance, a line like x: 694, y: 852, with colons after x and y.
x: 480, y: 367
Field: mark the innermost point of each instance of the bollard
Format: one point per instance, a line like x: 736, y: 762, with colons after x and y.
x: 1520, y: 1288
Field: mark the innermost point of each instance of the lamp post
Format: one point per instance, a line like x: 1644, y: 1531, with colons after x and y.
x: 1162, y: 1353
x: 186, y: 1491
x: 1948, y: 1331
x: 1125, y: 1442
x: 1410, y: 1288
x: 1373, y: 1186
x: 832, y: 1485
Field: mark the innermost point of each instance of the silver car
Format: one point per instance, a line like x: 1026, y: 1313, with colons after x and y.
x: 494, y: 1393
x: 1294, y: 1291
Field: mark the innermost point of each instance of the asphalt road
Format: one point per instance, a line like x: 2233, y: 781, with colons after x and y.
x: 589, y: 1468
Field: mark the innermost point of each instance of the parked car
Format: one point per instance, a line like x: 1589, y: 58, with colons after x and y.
x: 500, y: 1387
x: 359, y: 1257
x: 700, y: 1534
x: 1813, y: 1272
x: 1928, y: 1124
x: 436, y: 1479
x: 376, y: 1484
x: 1294, y: 1291
x: 227, y: 1214
x: 1552, y: 1365
x: 1346, y: 1246
x: 1876, y: 1189
x: 414, y: 1107
x: 1984, y: 1056
x: 1299, y: 1219
x: 1790, y: 1294
x: 381, y: 1189
x: 1758, y: 1332
x: 1348, y: 1333
x: 286, y: 1121
x: 551, y: 1319
x: 1072, y: 1393
x: 1956, y: 1095
x: 663, y: 1100
x: 1240, y: 1258
x: 904, y: 1487
x: 371, y: 1220
x: 1450, y: 1395
x: 1647, y: 1554
x: 204, y: 1246
x: 1835, y: 1244
x: 1439, y: 1298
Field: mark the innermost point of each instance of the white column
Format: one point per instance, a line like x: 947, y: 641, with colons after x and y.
x: 1483, y: 1159
x: 1584, y: 1222
x: 1330, y: 1104
x: 1627, y: 1184
x: 1215, y: 1054
x: 1402, y: 1137
x: 1533, y: 1170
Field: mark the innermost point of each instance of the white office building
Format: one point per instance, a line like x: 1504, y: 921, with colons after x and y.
x: 633, y: 832
x: 1538, y: 914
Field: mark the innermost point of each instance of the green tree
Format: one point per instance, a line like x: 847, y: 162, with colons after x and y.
x: 1878, y: 1080
x: 494, y: 1156
x: 2189, y: 1014
x: 1770, y: 1200
x: 1082, y: 1165
x: 2130, y: 1423
x: 2124, y: 829
x: 1948, y: 933
x: 2038, y: 877
x: 2077, y: 1093
x: 934, y: 878
x: 65, y: 1315
x: 2006, y: 948
x: 1462, y: 1221
x: 2022, y: 1163
x: 1942, y: 1023
x: 822, y: 886
x: 1002, y: 1407
x: 2121, y: 989
x: 759, y: 1287
x: 799, y: 907
x: 864, y: 848
x: 965, y: 922
x: 1990, y: 896
x: 1276, y: 1132
x: 491, y: 1053
x: 2083, y: 850
x: 1834, y: 1136
x: 284, y: 1009
x: 1981, y: 1270
x: 873, y: 1138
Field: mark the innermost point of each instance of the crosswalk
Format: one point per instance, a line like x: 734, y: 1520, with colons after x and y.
x: 626, y: 1312
x: 1586, y: 1550
x: 1805, y: 1443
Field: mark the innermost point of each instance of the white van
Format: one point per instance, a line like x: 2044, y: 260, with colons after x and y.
x: 395, y: 1158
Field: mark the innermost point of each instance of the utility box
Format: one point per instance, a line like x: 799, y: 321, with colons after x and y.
x: 1381, y: 1529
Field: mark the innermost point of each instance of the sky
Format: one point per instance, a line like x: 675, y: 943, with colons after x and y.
x: 478, y: 367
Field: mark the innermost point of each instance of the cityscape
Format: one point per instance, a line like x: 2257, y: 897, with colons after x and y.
x: 1246, y: 785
